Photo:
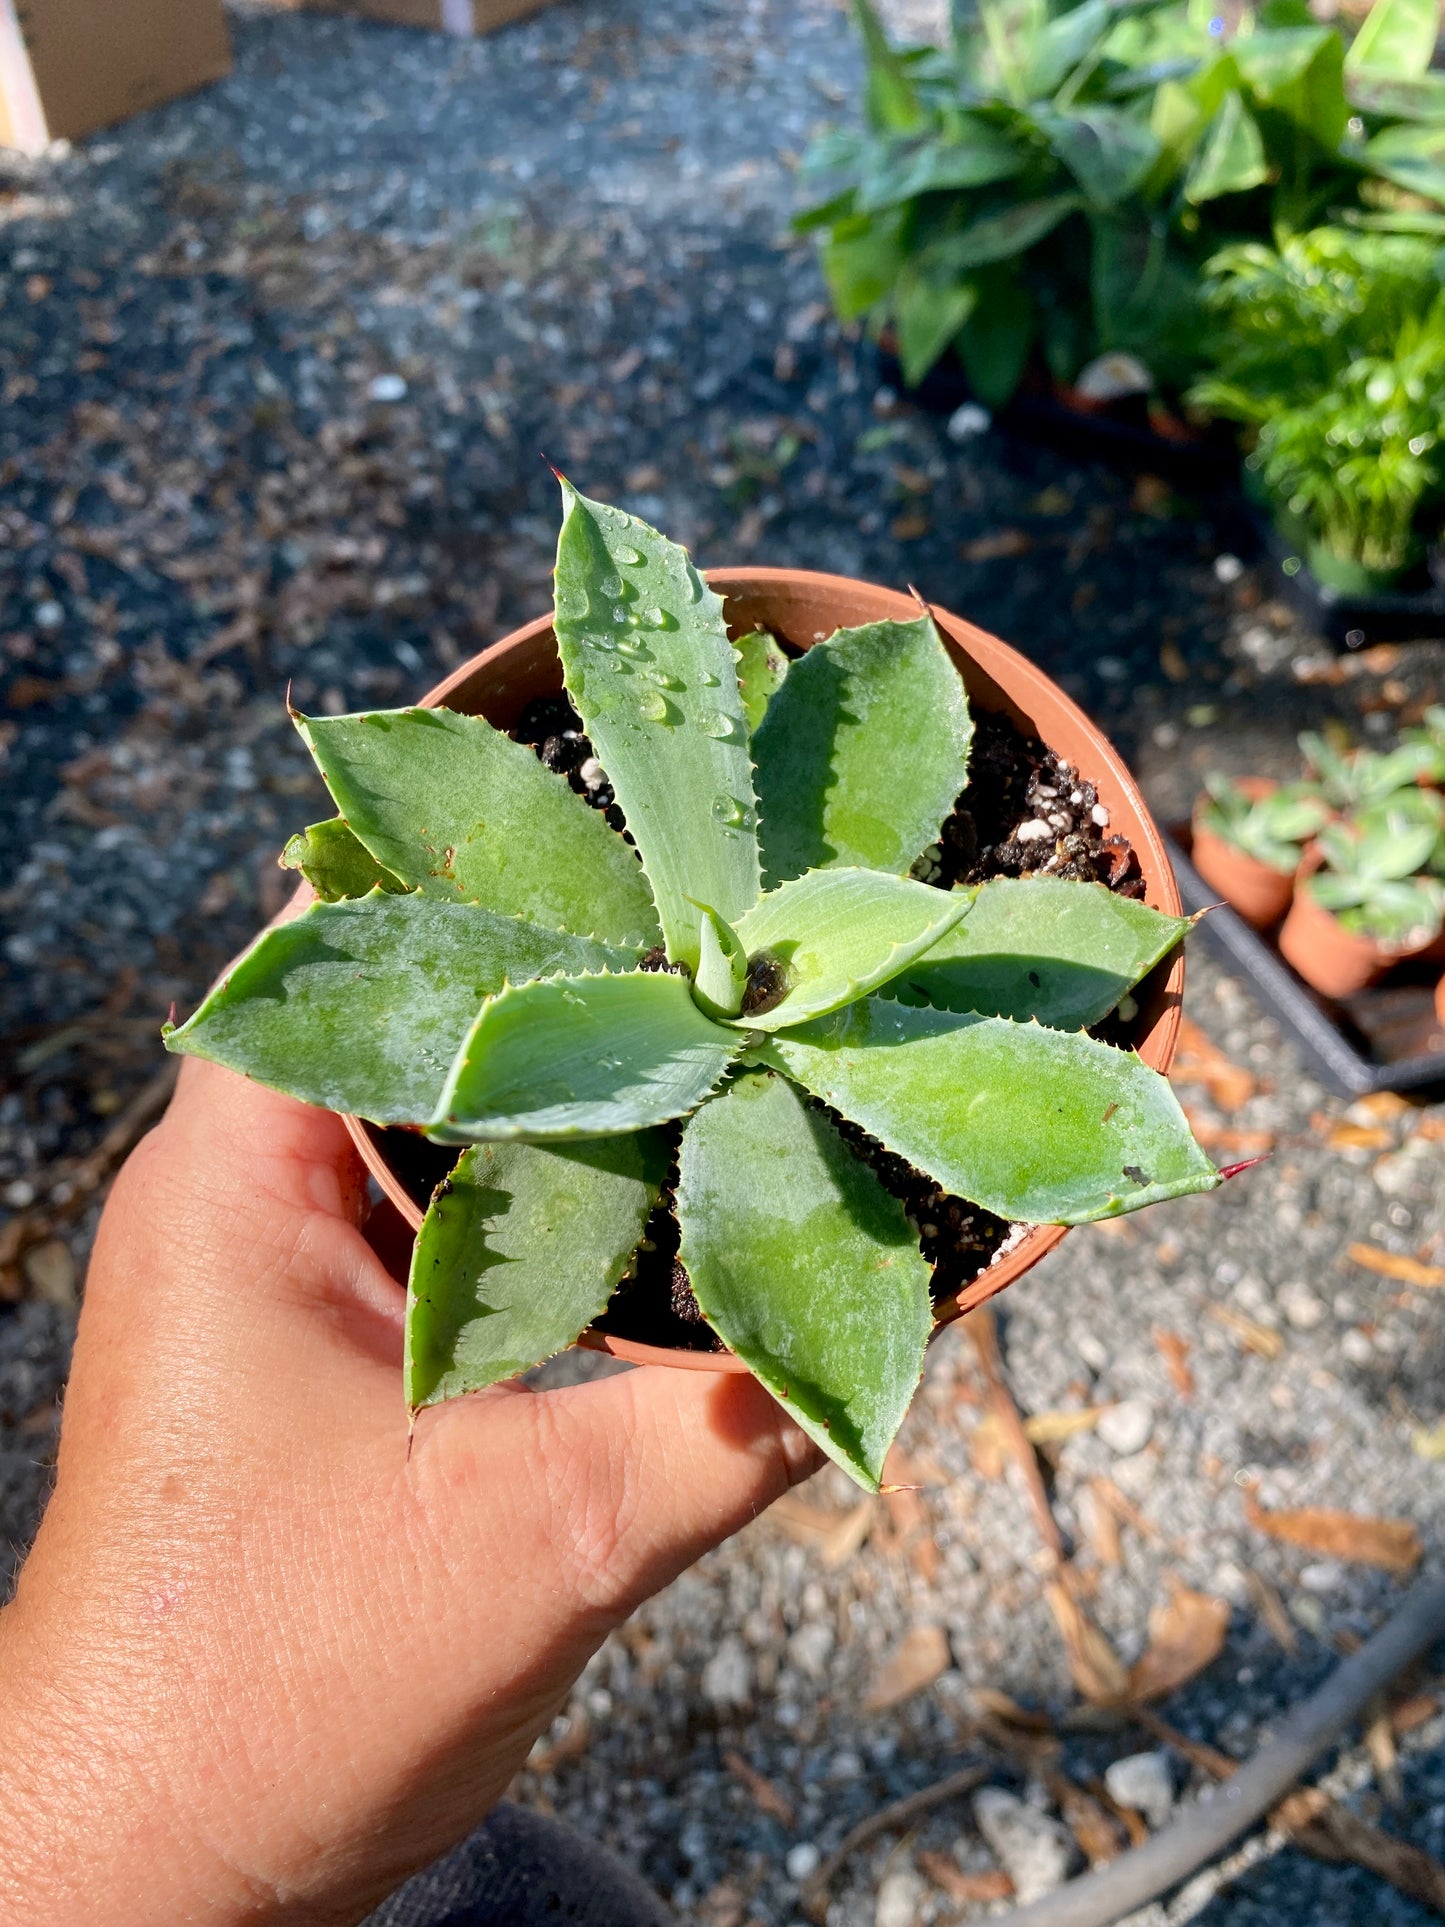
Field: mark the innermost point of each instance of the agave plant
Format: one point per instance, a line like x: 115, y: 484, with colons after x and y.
x: 1372, y: 880
x: 491, y: 962
x: 1269, y: 828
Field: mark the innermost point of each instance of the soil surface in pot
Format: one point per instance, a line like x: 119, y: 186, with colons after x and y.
x: 1025, y: 813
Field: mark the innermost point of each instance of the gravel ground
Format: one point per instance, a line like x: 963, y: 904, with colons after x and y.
x: 277, y: 365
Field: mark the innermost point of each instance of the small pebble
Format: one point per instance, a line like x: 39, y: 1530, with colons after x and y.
x: 1144, y: 1782
x: 1356, y: 1347
x: 1301, y: 1306
x: 968, y: 421
x: 900, y: 1895
x: 802, y: 1861
x: 50, y: 1270
x: 1125, y: 1427
x: 387, y: 388
x: 1227, y: 569
x: 1033, y: 1848
x: 727, y: 1679
x: 1032, y: 832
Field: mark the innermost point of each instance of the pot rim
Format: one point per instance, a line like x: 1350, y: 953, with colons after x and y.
x: 1026, y: 684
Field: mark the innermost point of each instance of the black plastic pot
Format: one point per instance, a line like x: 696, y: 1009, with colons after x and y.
x: 1120, y: 432
x: 1388, y: 1037
x: 1412, y: 611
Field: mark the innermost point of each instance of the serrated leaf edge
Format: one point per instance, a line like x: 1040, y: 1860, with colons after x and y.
x: 756, y: 1058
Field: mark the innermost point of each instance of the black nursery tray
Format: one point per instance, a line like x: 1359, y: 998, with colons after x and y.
x: 1352, y: 621
x: 1119, y: 435
x: 1386, y: 1038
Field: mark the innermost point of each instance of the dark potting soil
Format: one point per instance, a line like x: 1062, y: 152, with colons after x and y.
x: 1016, y: 784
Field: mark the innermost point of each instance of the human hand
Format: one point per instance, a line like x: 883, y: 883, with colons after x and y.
x: 262, y: 1664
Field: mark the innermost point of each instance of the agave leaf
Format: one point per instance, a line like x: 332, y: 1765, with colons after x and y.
x: 1064, y: 953
x: 839, y: 933
x: 460, y: 812
x: 336, y: 863
x: 647, y: 661
x: 1046, y: 1126
x: 805, y: 1267
x: 722, y: 971
x: 583, y: 1056
x: 862, y: 752
x: 1396, y: 39
x: 762, y: 665
x: 362, y: 1005
x: 489, y: 1295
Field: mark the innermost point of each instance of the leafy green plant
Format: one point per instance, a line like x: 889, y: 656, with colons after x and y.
x: 1350, y: 779
x: 1269, y: 828
x: 492, y: 963
x: 1373, y: 877
x: 1056, y: 177
x: 1332, y: 349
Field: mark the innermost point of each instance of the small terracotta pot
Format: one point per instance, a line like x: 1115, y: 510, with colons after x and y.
x: 803, y: 608
x: 1440, y: 1003
x: 1335, y: 961
x: 1258, y: 892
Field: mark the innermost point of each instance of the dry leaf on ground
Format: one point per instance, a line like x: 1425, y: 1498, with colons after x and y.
x: 1393, y: 1544
x: 1174, y: 1350
x: 917, y: 1661
x: 1394, y: 1264
x: 764, y: 1794
x: 1199, y: 1060
x: 1342, y: 1134
x: 1089, y: 1822
x: 1094, y: 1666
x: 946, y: 1874
x: 1186, y: 1634
x: 1272, y: 1612
x: 996, y: 545
x: 1101, y: 1528
x: 1254, y: 1337
x: 1224, y: 1137
x: 1052, y: 1428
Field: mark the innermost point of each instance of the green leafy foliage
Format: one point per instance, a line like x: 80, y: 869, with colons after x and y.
x: 845, y: 776
x: 1041, y: 1125
x: 1039, y: 947
x: 837, y: 934
x: 647, y: 661
x: 417, y: 995
x: 993, y: 175
x: 336, y: 863
x: 457, y: 810
x: 1273, y: 828
x: 362, y: 1005
x: 762, y: 665
x: 583, y: 1057
x: 1333, y: 350
x: 520, y: 1249
x: 769, y: 1191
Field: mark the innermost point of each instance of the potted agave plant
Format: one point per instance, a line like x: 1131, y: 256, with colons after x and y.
x: 1248, y: 841
x: 1366, y: 902
x: 727, y: 1008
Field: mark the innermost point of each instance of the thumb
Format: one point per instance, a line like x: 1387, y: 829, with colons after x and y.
x: 635, y: 1476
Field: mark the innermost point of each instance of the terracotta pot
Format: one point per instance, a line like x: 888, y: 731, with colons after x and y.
x: 803, y: 608
x: 1335, y: 961
x: 1440, y: 1003
x: 1258, y: 892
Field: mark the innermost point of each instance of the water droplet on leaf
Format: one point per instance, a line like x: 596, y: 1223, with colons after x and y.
x: 654, y: 708
x: 714, y: 723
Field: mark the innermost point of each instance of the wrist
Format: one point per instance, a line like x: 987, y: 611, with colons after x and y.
x: 90, y: 1825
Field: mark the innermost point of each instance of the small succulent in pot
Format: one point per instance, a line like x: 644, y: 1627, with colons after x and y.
x: 1348, y: 779
x: 721, y: 1001
x: 1373, y: 877
x: 1248, y: 841
x: 1371, y: 900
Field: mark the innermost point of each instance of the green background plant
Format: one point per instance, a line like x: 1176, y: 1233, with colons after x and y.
x: 495, y: 982
x: 1057, y: 178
